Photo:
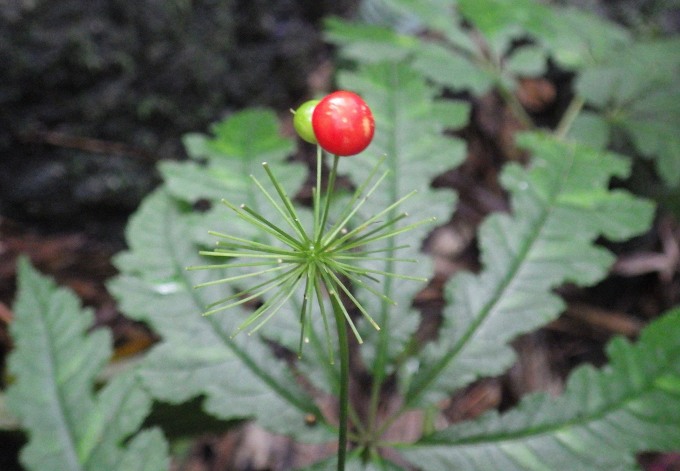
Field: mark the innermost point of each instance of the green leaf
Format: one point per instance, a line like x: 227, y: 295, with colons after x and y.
x: 574, y: 38
x: 7, y: 420
x: 368, y: 43
x: 652, y: 122
x: 457, y: 67
x: 410, y: 132
x: 600, y: 422
x: 457, y: 71
x: 239, y: 146
x: 222, y: 169
x: 560, y: 205
x: 631, y: 73
x: 636, y: 90
x: 438, y: 16
x: 144, y: 452
x: 591, y: 129
x: 527, y: 61
x: 500, y: 21
x: 55, y: 362
x: 248, y: 133
x: 580, y: 39
x: 435, y: 14
x: 240, y: 376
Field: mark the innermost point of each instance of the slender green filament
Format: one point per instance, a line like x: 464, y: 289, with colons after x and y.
x: 320, y: 261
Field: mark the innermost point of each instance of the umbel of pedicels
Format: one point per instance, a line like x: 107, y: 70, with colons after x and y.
x: 322, y: 261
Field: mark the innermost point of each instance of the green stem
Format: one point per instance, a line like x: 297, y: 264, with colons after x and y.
x: 569, y: 116
x: 515, y: 106
x: 344, y: 382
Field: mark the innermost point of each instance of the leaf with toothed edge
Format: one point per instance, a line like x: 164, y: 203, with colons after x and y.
x: 560, y: 205
x: 410, y: 133
x: 55, y: 363
x: 600, y: 422
x: 239, y: 376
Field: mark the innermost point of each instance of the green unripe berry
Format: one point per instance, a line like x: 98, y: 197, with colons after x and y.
x: 302, y: 121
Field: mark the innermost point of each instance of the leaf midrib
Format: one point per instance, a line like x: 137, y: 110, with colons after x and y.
x: 549, y: 429
x: 178, y: 267
x: 66, y: 431
x: 379, y: 367
x: 507, y: 280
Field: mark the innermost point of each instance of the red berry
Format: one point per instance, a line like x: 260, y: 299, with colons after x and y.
x: 343, y: 123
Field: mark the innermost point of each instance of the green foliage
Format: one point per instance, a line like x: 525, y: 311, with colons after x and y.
x: 240, y: 376
x: 220, y: 165
x: 632, y: 85
x: 560, y: 205
x: 55, y: 362
x: 410, y: 133
x: 636, y: 90
x: 482, y: 56
x: 600, y: 422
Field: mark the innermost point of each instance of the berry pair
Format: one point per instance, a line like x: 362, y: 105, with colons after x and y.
x: 341, y: 123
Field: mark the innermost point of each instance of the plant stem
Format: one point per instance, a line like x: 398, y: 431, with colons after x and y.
x: 344, y: 382
x: 569, y: 116
x: 515, y: 106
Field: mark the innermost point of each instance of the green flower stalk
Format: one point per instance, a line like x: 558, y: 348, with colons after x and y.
x: 318, y: 262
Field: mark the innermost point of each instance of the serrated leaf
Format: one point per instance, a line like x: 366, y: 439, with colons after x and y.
x: 7, y: 420
x: 527, y: 61
x: 147, y: 451
x: 240, y: 144
x: 581, y: 39
x: 652, y: 122
x: 459, y: 72
x: 574, y: 38
x: 500, y: 20
x: 250, y: 132
x: 630, y: 73
x: 410, y: 132
x: 438, y: 16
x: 239, y: 376
x: 223, y: 170
x: 636, y: 90
x: 591, y: 129
x: 435, y: 14
x: 197, y: 147
x: 457, y: 69
x: 368, y: 43
x: 55, y: 362
x: 560, y: 205
x: 386, y: 13
x: 600, y: 422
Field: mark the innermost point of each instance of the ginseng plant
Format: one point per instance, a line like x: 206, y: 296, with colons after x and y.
x: 321, y: 262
